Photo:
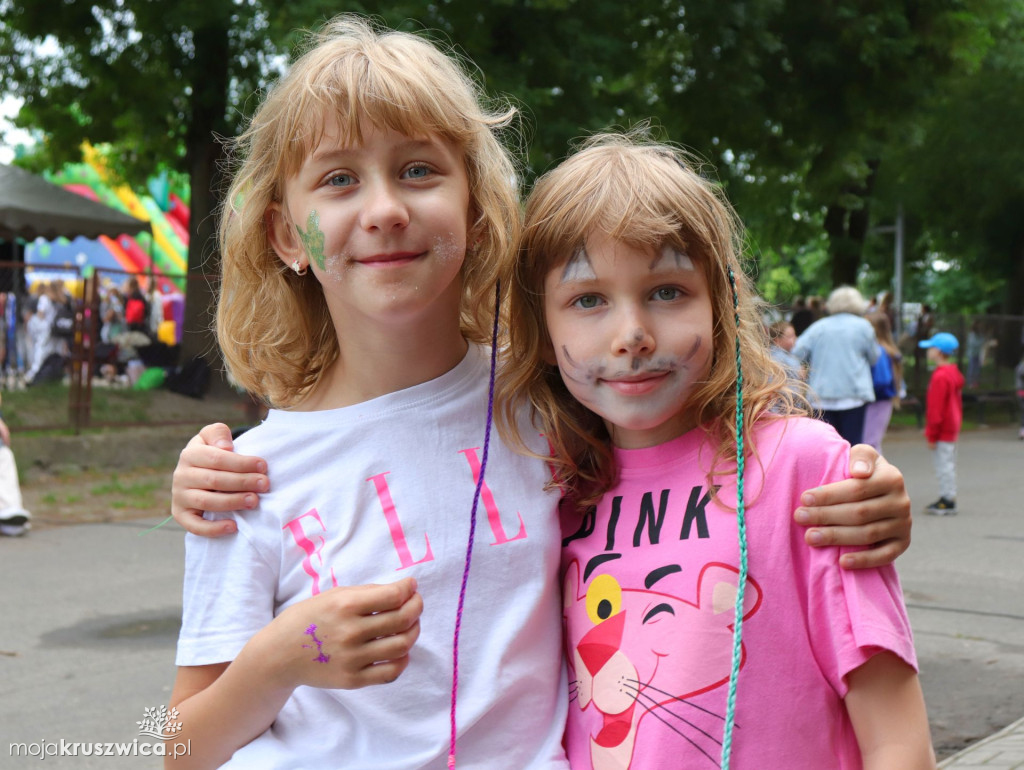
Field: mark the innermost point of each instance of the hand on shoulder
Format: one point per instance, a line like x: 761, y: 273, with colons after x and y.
x: 210, y: 476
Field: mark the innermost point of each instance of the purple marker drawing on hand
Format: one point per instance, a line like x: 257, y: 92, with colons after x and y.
x: 322, y: 657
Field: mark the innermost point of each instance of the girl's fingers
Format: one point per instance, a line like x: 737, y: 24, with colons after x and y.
x: 886, y: 539
x: 863, y: 459
x: 394, y: 622
x: 392, y: 647
x: 838, y: 493
x: 883, y: 553
x: 363, y: 617
x: 217, y: 434
x: 381, y: 673
x: 199, y: 458
x: 862, y: 535
x: 373, y: 599
x: 197, y: 525
x: 205, y: 480
x: 199, y: 500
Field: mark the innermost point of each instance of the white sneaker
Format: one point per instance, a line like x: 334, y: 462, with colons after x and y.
x: 15, y: 522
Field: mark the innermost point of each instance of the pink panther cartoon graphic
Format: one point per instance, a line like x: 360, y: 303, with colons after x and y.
x: 636, y: 651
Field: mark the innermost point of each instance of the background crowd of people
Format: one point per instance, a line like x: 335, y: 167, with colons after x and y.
x: 843, y: 355
x: 37, y: 331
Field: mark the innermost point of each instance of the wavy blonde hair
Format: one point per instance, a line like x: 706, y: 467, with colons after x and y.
x: 644, y: 194
x: 274, y: 326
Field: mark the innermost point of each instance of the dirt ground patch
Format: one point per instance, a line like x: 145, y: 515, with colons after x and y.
x: 115, y: 473
x: 85, y: 496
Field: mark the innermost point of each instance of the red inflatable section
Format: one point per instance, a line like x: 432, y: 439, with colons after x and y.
x: 179, y: 212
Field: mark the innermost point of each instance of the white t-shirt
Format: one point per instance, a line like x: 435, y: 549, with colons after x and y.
x: 373, y: 493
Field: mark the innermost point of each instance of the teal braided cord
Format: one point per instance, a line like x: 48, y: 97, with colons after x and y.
x: 741, y: 526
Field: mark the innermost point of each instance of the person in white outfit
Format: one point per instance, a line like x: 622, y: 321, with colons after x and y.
x: 43, y: 343
x: 14, y: 519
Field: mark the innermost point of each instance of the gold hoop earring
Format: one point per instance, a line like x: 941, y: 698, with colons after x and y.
x: 298, y: 269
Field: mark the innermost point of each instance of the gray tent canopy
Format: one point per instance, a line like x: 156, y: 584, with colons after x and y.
x: 31, y: 207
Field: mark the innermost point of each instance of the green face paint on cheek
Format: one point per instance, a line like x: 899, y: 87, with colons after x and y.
x: 313, y: 239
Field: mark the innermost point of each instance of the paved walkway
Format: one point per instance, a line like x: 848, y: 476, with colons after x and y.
x: 1002, y: 751
x: 962, y: 579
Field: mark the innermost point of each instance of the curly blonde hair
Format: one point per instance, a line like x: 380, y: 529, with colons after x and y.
x: 645, y: 194
x: 274, y: 326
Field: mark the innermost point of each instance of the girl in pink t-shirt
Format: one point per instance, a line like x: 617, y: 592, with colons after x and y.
x: 636, y: 338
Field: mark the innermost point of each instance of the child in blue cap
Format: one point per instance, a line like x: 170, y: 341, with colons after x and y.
x: 943, y: 416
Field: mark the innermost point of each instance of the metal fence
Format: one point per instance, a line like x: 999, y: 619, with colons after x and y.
x: 92, y: 357
x: 991, y: 348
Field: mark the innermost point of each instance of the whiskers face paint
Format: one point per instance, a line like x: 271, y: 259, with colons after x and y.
x: 642, y: 399
x: 632, y: 333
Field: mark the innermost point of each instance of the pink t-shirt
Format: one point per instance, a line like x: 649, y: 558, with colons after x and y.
x: 650, y: 580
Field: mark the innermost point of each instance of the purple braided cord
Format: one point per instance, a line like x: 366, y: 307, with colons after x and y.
x: 472, y: 524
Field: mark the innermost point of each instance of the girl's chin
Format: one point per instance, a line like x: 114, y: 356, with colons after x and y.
x: 640, y: 435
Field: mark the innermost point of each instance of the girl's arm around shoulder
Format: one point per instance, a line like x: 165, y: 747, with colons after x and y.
x: 866, y: 505
x: 887, y: 710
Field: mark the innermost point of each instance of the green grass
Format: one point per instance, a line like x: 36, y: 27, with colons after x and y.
x: 51, y: 498
x: 994, y: 415
x: 47, y: 405
x: 44, y: 409
x: 120, y: 405
x: 137, y: 495
x: 91, y: 495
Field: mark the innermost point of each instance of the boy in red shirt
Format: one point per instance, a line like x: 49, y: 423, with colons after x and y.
x: 943, y: 415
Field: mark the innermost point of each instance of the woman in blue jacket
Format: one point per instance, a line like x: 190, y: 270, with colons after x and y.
x: 840, y: 350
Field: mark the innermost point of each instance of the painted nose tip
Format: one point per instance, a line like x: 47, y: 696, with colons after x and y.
x: 636, y: 341
x: 601, y: 642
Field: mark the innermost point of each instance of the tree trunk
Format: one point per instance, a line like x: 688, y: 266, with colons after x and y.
x: 847, y: 228
x: 844, y: 247
x: 203, y: 257
x: 1014, y: 302
x: 204, y: 156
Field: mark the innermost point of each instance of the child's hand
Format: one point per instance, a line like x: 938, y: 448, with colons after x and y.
x: 872, y: 508
x: 211, y: 477
x: 347, y: 637
x: 931, y: 445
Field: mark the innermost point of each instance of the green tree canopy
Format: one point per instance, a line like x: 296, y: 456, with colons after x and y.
x: 961, y: 173
x: 158, y: 81
x: 801, y: 105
